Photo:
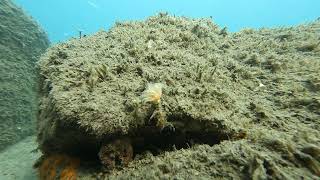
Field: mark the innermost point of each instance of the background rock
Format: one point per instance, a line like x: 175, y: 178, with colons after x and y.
x: 21, y: 43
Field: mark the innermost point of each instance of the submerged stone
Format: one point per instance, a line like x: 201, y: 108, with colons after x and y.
x: 95, y: 92
x: 22, y: 42
x: 172, y: 83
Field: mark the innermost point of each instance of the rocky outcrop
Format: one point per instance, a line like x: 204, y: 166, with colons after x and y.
x: 21, y: 43
x: 224, y: 105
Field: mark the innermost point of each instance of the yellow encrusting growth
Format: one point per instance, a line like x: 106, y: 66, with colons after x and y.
x: 153, y: 93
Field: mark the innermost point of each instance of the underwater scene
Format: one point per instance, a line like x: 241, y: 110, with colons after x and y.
x: 159, y: 89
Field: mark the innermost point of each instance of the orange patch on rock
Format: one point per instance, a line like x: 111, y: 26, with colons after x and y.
x: 58, y: 166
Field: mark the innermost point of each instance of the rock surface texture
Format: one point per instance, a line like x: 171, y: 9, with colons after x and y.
x: 21, y: 43
x: 173, y: 97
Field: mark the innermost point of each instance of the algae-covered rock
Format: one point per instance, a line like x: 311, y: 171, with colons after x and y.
x: 21, y: 43
x: 241, y: 105
x: 97, y: 86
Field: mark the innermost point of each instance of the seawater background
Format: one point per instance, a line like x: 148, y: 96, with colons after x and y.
x: 63, y: 19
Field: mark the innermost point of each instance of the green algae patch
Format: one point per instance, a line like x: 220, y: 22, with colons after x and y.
x: 184, y: 85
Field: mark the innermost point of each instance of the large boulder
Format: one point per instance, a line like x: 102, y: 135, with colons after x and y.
x: 250, y: 99
x: 21, y: 43
x: 138, y: 78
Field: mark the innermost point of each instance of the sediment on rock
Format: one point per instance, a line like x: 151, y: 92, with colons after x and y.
x: 22, y: 42
x: 229, y: 105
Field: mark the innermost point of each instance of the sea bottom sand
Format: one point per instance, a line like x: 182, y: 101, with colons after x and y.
x: 16, y: 162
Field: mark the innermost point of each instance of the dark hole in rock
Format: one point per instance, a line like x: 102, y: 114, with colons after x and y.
x: 149, y: 139
x: 157, y: 143
x: 118, y: 161
x: 118, y: 151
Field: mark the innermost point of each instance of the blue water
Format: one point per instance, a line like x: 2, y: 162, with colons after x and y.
x: 63, y: 19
